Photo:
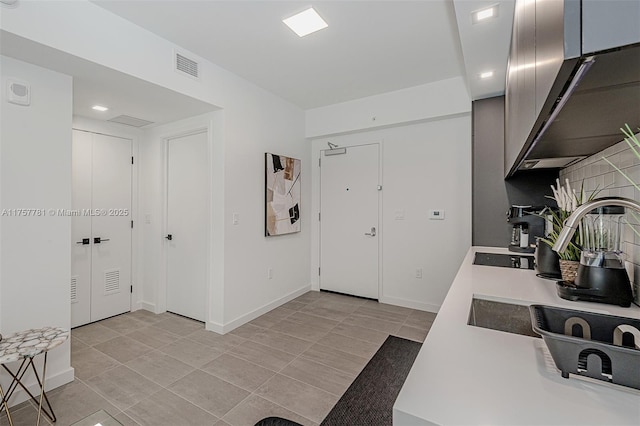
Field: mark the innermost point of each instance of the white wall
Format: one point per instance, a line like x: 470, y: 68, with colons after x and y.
x: 35, y: 173
x: 241, y: 291
x: 426, y: 164
x: 251, y: 122
x: 259, y: 124
x: 414, y: 104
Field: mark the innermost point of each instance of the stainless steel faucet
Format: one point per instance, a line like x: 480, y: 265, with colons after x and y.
x: 572, y: 222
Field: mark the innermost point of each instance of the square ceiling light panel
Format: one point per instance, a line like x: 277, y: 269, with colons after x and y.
x: 305, y: 23
x: 484, y: 14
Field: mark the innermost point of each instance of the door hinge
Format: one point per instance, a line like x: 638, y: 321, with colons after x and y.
x: 131, y: 224
x: 131, y: 289
x: 318, y: 271
x: 132, y: 160
x: 318, y: 216
x: 319, y: 160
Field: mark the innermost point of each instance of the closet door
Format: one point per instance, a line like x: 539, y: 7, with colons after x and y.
x: 111, y: 227
x: 81, y: 229
x: 101, y: 227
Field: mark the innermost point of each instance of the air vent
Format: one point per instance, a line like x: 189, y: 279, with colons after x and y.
x: 111, y: 281
x: 127, y: 120
x: 74, y: 289
x: 187, y: 66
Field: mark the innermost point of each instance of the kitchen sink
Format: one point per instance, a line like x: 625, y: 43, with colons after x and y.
x: 501, y: 316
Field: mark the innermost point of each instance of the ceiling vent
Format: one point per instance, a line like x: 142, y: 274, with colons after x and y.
x: 127, y: 120
x: 186, y: 66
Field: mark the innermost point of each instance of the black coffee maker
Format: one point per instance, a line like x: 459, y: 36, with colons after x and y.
x: 527, y: 225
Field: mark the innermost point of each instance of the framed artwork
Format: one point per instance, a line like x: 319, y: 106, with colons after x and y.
x: 282, y: 195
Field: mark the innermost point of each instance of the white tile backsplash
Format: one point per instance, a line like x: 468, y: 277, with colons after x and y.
x: 596, y: 173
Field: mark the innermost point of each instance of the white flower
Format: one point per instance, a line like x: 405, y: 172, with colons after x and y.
x: 565, y: 196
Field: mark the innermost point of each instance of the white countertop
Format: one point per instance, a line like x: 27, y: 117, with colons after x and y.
x: 466, y: 375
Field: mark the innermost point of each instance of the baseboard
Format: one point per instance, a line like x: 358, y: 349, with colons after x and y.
x: 231, y: 325
x: 52, y: 382
x: 429, y: 307
x: 214, y: 326
x: 148, y: 306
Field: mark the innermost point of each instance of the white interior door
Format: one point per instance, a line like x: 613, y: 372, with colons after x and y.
x: 101, y: 203
x: 349, y: 223
x: 187, y: 225
x: 111, y: 228
x: 81, y: 229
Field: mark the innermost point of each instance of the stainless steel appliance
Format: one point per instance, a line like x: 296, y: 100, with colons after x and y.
x: 503, y: 260
x: 527, y: 225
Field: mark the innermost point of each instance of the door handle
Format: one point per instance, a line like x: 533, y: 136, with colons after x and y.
x: 372, y: 233
x: 84, y: 241
x: 98, y: 240
x: 169, y: 237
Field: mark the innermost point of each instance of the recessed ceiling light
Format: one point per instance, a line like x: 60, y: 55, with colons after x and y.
x: 306, y: 22
x: 100, y: 108
x: 483, y: 14
x: 486, y: 74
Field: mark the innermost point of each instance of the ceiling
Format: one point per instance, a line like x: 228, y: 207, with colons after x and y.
x: 370, y: 47
x: 485, y: 45
x: 95, y: 84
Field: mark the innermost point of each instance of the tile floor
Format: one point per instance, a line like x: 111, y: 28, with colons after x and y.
x: 294, y: 362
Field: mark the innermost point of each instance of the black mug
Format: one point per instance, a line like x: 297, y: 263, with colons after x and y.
x: 547, y: 261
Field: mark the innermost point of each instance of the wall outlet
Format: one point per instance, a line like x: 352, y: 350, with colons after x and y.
x: 270, y: 273
x: 419, y: 273
x: 236, y: 218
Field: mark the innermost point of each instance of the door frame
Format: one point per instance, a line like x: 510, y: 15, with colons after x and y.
x: 90, y: 126
x: 162, y: 287
x: 318, y: 148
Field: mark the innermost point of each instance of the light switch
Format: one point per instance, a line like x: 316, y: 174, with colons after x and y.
x: 436, y: 214
x: 236, y: 218
x: 147, y: 219
x: 399, y: 214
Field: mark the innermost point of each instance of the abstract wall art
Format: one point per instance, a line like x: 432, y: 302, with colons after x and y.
x: 282, y: 196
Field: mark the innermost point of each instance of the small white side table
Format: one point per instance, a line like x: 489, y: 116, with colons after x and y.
x: 25, y: 346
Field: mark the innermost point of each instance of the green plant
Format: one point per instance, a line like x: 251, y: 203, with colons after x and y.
x: 567, y: 200
x: 632, y: 140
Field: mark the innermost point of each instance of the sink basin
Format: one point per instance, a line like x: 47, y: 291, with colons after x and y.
x: 501, y: 316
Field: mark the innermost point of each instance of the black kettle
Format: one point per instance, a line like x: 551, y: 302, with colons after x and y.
x: 547, y: 261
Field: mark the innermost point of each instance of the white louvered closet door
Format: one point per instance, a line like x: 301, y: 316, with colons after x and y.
x: 101, y: 264
x: 81, y: 229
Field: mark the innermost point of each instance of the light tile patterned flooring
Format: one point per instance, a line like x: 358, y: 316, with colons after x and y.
x: 294, y: 362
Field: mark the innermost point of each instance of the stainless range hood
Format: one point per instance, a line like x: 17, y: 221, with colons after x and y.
x: 573, y: 80
x: 602, y: 95
x: 588, y: 116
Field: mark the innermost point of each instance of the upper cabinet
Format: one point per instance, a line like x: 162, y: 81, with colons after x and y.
x: 608, y: 24
x: 558, y: 105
